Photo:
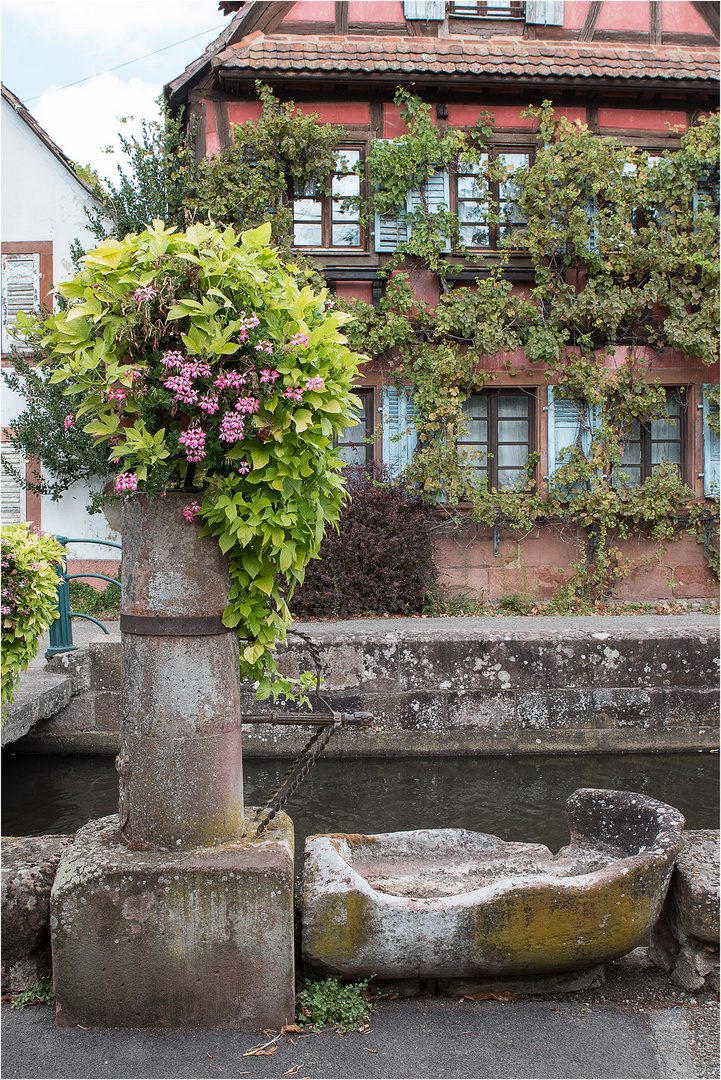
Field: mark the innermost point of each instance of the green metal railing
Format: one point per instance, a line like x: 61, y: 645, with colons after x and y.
x: 61, y: 631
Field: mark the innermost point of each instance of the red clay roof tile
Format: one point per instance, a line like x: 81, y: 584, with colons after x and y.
x: 468, y: 55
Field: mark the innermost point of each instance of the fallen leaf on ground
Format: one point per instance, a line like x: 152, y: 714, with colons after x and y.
x: 503, y: 996
x: 290, y: 1027
x: 370, y: 1051
x: 261, y: 1053
x: 291, y: 1071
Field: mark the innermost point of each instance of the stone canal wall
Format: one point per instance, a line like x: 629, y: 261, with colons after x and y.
x: 507, y: 685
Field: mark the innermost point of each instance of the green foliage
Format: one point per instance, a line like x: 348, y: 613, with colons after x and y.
x: 29, y: 598
x: 157, y: 184
x: 249, y: 183
x: 329, y: 1003
x: 260, y: 385
x: 68, y: 455
x: 85, y: 600
x: 41, y: 993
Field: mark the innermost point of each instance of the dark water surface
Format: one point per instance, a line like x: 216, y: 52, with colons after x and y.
x: 516, y: 798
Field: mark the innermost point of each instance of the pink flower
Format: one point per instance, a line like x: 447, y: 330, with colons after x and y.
x: 118, y: 394
x: 230, y: 380
x: 231, y: 427
x: 209, y: 404
x: 247, y: 405
x: 69, y: 421
x: 194, y: 442
x: 191, y: 510
x: 293, y: 393
x: 182, y: 389
x: 195, y: 369
x: 243, y: 467
x: 126, y: 482
x: 299, y: 341
x: 268, y: 376
x: 144, y: 294
x: 316, y: 383
x: 172, y: 359
x: 264, y: 346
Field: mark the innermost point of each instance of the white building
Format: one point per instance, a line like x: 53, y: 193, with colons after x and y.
x: 43, y: 212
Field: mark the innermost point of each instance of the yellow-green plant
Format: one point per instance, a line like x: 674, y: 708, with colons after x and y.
x: 208, y: 362
x: 29, y: 598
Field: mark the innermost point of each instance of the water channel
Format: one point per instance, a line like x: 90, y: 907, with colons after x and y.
x: 516, y: 798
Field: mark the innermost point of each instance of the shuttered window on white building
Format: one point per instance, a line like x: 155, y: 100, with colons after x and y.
x: 20, y: 292
x: 12, y: 505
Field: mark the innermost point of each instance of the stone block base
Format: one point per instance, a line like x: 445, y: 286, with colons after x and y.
x: 193, y: 939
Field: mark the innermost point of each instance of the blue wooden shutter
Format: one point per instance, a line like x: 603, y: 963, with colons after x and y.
x: 570, y: 423
x: 544, y: 12
x: 20, y: 292
x: 399, y: 430
x: 390, y: 229
x: 437, y: 193
x: 425, y: 9
x: 710, y: 446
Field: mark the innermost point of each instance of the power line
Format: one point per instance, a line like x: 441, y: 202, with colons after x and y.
x: 125, y: 64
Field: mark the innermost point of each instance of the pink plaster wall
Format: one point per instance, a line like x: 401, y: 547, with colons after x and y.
x: 94, y: 566
x: 312, y: 11
x: 641, y: 119
x: 537, y: 566
x: 239, y: 112
x: 680, y: 18
x: 625, y: 15
x: 355, y: 290
x: 371, y: 11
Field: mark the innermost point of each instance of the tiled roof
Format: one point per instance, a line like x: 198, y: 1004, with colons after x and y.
x: 468, y: 56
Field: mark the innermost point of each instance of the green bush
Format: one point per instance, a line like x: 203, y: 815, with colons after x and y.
x: 29, y: 598
x: 85, y: 600
x: 330, y: 1003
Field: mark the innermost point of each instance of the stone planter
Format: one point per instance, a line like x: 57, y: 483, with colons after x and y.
x: 449, y: 903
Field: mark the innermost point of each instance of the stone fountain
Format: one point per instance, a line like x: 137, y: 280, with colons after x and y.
x: 174, y: 914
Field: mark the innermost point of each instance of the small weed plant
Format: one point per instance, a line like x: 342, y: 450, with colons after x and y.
x: 329, y: 1003
x: 39, y: 994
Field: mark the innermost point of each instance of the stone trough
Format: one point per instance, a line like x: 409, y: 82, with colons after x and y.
x: 449, y: 903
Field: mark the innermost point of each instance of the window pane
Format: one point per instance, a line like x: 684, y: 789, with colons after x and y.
x: 307, y: 235
x: 471, y: 211
x: 339, y: 214
x: 665, y: 451
x: 307, y: 209
x: 665, y: 429
x: 477, y: 432
x: 474, y: 456
x: 476, y: 405
x: 346, y: 235
x: 508, y: 479
x: 512, y: 454
x: 308, y: 191
x: 475, y: 235
x: 348, y: 159
x: 514, y: 160
x: 353, y: 455
x: 346, y: 186
x: 470, y: 187
x: 632, y: 475
x: 512, y: 405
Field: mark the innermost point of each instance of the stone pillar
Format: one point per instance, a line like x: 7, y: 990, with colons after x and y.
x: 169, y: 915
x: 180, y: 764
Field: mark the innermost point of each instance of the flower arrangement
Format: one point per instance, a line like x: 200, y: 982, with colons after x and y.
x: 29, y: 597
x: 207, y: 363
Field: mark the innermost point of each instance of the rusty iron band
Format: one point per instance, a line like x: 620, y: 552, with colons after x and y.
x: 174, y: 625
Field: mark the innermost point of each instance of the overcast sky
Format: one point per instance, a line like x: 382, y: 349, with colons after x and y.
x: 51, y: 43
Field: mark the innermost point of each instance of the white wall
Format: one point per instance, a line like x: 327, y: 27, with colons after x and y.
x: 41, y: 201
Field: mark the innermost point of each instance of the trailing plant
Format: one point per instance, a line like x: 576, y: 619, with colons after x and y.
x: 330, y: 1003
x: 29, y: 598
x: 253, y: 181
x: 203, y: 360
x: 380, y: 559
x: 624, y: 253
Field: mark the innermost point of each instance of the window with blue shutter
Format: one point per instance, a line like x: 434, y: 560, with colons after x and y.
x: 399, y: 429
x: 425, y: 9
x: 356, y: 447
x: 570, y: 424
x: 20, y: 292
x: 392, y: 229
x: 544, y: 12
x: 711, y: 444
